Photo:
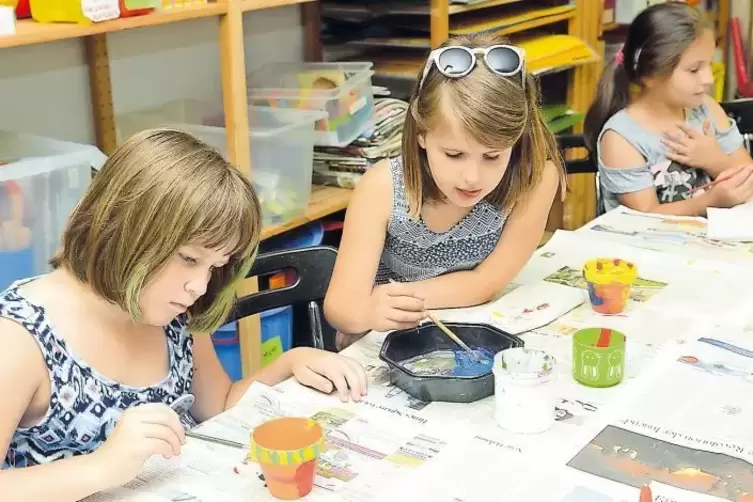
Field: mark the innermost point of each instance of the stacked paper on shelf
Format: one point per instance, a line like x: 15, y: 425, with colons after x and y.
x: 343, y: 166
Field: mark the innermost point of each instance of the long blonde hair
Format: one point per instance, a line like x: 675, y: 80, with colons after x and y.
x: 496, y: 111
x: 160, y: 190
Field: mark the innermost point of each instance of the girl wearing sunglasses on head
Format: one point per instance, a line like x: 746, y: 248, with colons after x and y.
x: 454, y: 218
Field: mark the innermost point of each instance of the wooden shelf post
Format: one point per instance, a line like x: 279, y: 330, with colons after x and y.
x: 235, y: 103
x: 580, y: 202
x: 101, y: 91
x: 439, y: 30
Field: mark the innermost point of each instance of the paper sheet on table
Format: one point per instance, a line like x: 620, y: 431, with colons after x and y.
x: 685, y: 424
x: 531, y: 306
x: 731, y: 224
x: 684, y: 237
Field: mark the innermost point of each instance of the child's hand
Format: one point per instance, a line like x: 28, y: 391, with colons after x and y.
x: 327, y: 372
x: 395, y: 306
x: 736, y: 189
x: 691, y: 147
x: 141, y: 431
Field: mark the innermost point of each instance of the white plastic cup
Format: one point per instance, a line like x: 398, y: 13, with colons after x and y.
x: 524, y: 390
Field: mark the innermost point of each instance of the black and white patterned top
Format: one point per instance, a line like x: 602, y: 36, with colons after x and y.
x: 84, y: 404
x: 413, y: 252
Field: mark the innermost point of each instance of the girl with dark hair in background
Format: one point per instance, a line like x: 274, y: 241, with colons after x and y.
x: 658, y: 136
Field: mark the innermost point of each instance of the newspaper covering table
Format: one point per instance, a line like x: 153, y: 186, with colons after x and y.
x: 682, y: 236
x: 365, y: 446
x: 392, y: 446
x: 683, y: 428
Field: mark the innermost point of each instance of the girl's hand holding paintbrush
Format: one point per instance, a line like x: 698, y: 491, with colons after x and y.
x: 396, y: 306
x: 732, y: 187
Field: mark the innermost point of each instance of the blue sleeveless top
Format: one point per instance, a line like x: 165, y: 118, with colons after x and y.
x: 673, y: 182
x: 413, y: 252
x: 84, y: 404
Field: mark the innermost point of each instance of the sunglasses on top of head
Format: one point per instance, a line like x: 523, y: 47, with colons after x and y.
x: 457, y: 61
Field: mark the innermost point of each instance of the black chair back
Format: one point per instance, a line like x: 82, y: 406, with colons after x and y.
x: 741, y: 111
x: 582, y: 165
x: 585, y: 163
x: 313, y: 268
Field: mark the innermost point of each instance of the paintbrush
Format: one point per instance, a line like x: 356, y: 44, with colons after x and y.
x: 214, y: 439
x: 722, y: 177
x: 449, y: 333
x: 453, y: 336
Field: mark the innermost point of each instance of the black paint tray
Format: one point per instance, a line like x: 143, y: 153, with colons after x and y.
x: 402, y: 345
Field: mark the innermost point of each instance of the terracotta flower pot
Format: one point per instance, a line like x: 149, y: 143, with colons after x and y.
x: 287, y: 450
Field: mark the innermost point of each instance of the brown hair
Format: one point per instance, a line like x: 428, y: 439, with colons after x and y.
x: 655, y: 42
x: 496, y: 111
x: 160, y: 190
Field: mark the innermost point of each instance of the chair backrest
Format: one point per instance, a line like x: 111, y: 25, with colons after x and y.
x: 583, y: 164
x: 741, y: 111
x: 578, y: 161
x: 313, y: 268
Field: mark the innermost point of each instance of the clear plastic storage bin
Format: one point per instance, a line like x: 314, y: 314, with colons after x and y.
x: 181, y: 111
x: 282, y: 148
x: 343, y: 90
x: 41, y: 181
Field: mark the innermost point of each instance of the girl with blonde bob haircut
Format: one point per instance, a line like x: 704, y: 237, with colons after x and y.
x: 93, y: 353
x: 454, y: 218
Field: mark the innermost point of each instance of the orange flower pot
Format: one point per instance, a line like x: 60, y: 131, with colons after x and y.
x: 287, y: 450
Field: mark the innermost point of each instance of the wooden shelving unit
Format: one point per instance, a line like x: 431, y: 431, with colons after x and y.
x: 583, y: 18
x: 325, y: 200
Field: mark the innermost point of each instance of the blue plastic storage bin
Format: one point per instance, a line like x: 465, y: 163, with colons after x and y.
x: 15, y: 265
x: 275, y: 324
x: 308, y: 235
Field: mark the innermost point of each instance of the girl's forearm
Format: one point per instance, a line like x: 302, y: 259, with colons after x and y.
x: 349, y: 317
x: 456, y: 290
x: 695, y: 206
x: 65, y: 480
x: 279, y: 370
x: 724, y: 162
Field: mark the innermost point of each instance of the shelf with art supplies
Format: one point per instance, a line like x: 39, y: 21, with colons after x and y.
x: 282, y: 142
x: 342, y: 90
x: 545, y: 54
x: 396, y: 23
x: 41, y: 181
x: 36, y: 22
x: 343, y: 166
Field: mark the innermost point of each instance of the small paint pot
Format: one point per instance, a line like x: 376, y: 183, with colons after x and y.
x: 609, y: 282
x: 524, y: 390
x: 598, y: 357
x: 287, y: 449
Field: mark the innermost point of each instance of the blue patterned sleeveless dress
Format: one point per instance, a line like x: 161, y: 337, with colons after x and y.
x: 84, y: 404
x: 413, y: 252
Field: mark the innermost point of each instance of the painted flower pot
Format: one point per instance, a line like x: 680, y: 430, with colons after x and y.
x: 287, y: 450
